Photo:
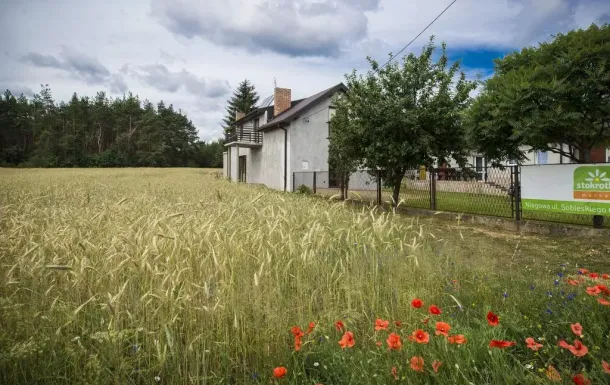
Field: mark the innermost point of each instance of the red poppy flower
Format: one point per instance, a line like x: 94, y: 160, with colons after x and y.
x: 381, y: 324
x: 347, y: 341
x: 552, y: 374
x: 420, y: 336
x: 564, y: 345
x: 425, y: 320
x: 576, y: 329
x: 394, y: 342
x: 435, y: 365
x: 604, y: 289
x: 572, y: 282
x: 442, y: 328
x: 532, y: 344
x: 296, y: 331
x: 417, y: 303
x: 417, y: 364
x: 583, y: 271
x: 501, y: 344
x: 457, y: 339
x: 593, y: 290
x: 605, y: 276
x: 606, y: 366
x: 395, y: 373
x: 580, y: 379
x: 603, y: 302
x: 493, y: 319
x: 594, y: 276
x: 398, y: 324
x: 378, y: 343
x: 578, y: 349
x: 279, y: 372
x: 311, y: 326
x: 297, y: 343
x: 433, y: 309
x: 339, y: 326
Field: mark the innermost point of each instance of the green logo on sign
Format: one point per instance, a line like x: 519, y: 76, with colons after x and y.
x: 592, y: 182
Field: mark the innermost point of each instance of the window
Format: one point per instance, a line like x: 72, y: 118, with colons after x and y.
x: 305, y: 165
x: 256, y: 123
x: 542, y: 157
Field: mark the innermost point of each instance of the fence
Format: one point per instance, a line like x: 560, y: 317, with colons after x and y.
x: 474, y: 190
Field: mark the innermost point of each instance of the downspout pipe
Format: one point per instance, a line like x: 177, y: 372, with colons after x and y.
x: 285, y: 158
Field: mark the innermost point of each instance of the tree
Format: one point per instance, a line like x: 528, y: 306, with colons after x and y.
x: 244, y: 99
x: 402, y: 116
x: 100, y: 131
x: 554, y: 97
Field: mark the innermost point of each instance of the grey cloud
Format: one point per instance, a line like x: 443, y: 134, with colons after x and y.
x: 292, y: 28
x: 39, y: 60
x: 78, y: 65
x: 16, y: 90
x: 85, y: 67
x: 161, y: 78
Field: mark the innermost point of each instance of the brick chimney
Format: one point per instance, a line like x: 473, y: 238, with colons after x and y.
x: 239, y: 115
x: 282, y: 99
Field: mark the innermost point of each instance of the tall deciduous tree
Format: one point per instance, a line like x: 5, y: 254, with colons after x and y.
x: 554, y: 97
x: 244, y: 99
x: 402, y: 116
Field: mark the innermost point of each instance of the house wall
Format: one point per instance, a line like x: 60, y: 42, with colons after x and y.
x: 271, y: 170
x: 253, y: 165
x: 225, y: 164
x: 234, y: 153
x: 308, y: 142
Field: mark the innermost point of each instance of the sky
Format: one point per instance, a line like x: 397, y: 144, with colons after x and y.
x: 193, y: 53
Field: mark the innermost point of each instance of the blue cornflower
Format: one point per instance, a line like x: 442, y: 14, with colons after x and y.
x: 560, y: 274
x: 254, y: 376
x: 550, y: 294
x: 571, y: 296
x: 549, y: 312
x: 579, y: 272
x: 556, y: 282
x: 532, y: 287
x: 321, y: 339
x: 505, y: 295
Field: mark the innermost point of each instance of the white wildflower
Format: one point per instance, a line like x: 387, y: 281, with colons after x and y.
x: 316, y: 364
x: 529, y: 366
x: 157, y: 378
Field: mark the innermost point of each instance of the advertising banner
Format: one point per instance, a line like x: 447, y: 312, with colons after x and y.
x: 566, y: 188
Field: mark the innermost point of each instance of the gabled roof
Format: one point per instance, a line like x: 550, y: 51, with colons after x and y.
x: 261, y: 110
x: 295, y: 110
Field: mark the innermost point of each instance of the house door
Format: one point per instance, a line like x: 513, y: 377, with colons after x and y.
x: 479, y: 165
x: 241, y: 172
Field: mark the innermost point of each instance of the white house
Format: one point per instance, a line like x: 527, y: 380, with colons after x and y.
x: 281, y: 137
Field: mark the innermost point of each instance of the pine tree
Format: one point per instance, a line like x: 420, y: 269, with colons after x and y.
x: 243, y: 100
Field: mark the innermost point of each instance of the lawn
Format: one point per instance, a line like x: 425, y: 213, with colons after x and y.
x: 173, y: 276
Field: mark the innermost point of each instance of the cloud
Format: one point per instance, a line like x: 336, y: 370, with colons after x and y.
x: 17, y: 90
x: 80, y: 66
x: 294, y: 28
x: 161, y: 78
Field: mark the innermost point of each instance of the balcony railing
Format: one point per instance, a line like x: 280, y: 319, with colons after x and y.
x: 247, y: 136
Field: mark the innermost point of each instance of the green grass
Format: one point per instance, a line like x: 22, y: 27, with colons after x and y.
x: 482, y: 204
x: 129, y: 276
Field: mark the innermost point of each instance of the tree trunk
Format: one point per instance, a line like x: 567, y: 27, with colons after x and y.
x: 396, y: 184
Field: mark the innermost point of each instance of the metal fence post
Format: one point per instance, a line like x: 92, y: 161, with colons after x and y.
x: 314, y: 182
x: 379, y: 187
x: 517, y: 193
x: 432, y: 188
x: 294, y: 181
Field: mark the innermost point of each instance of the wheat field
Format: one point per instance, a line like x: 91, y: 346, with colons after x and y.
x: 175, y: 276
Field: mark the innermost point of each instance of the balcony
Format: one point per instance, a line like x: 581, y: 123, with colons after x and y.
x: 246, y: 137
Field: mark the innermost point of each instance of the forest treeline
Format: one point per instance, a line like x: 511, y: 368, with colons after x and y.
x: 99, y: 132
